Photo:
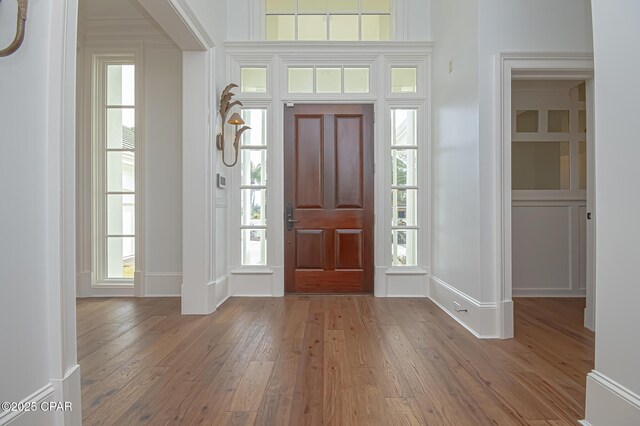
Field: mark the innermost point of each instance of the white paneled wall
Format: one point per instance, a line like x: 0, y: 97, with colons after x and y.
x: 548, y: 225
x: 549, y: 250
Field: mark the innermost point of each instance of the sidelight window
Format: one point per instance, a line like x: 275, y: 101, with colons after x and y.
x: 253, y: 187
x: 404, y: 187
x: 114, y: 171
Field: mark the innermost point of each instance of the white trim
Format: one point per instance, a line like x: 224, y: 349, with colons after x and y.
x: 191, y: 20
x: 198, y: 193
x: 375, y: 48
x: 45, y: 394
x: 178, y: 23
x: 608, y: 400
x: 68, y: 389
x: 378, y: 56
x: 509, y: 66
x: 481, y: 318
x: 222, y: 291
x: 96, y: 58
x: 61, y: 209
x: 548, y: 292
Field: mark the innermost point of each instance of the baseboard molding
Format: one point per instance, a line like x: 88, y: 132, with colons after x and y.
x: 401, y: 282
x: 253, y: 283
x: 608, y: 402
x: 165, y: 284
x: 68, y: 390
x: 548, y: 292
x: 222, y: 291
x: 30, y: 418
x: 481, y: 319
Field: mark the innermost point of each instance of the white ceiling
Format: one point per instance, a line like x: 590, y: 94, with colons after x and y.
x: 106, y: 9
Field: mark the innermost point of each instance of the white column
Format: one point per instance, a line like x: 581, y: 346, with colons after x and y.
x: 613, y: 388
x: 198, y: 295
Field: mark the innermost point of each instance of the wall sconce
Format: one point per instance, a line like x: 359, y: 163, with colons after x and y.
x: 22, y: 19
x: 235, y: 120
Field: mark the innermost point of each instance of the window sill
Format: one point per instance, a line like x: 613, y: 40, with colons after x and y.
x: 114, y: 285
x: 409, y: 270
x: 250, y: 270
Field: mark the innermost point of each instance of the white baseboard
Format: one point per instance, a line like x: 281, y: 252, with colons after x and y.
x: 401, y: 282
x: 610, y: 403
x: 481, y: 319
x: 548, y: 292
x: 68, y: 390
x: 253, y: 282
x: 165, y: 284
x: 222, y: 292
x: 32, y: 418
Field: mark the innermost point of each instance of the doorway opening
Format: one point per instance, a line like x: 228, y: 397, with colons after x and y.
x: 551, y: 220
x: 329, y: 199
x: 543, y: 68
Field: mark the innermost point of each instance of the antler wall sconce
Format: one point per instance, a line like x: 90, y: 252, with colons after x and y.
x: 236, y: 120
x: 22, y: 19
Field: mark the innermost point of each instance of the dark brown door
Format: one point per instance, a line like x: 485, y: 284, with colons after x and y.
x: 329, y: 199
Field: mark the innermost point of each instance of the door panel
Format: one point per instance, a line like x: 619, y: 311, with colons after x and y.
x: 310, y: 249
x: 348, y: 162
x: 349, y: 250
x: 329, y: 186
x: 309, y: 161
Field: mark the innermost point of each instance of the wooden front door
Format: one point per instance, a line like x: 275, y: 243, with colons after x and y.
x: 329, y: 199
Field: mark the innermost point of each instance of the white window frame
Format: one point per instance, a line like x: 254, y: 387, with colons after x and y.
x: 278, y: 57
x: 265, y: 187
x: 235, y: 198
x: 100, y: 59
x: 397, y: 31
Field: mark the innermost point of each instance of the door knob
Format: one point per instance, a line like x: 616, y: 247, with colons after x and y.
x: 290, y: 220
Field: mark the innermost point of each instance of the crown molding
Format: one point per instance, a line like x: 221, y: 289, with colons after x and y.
x: 101, y: 31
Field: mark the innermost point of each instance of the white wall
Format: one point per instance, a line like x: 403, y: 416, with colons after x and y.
x: 613, y: 393
x: 471, y: 34
x: 23, y: 212
x: 456, y: 238
x: 163, y: 169
x: 516, y: 26
x: 38, y: 330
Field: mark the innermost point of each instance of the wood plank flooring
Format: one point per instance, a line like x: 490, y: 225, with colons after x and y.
x: 332, y: 360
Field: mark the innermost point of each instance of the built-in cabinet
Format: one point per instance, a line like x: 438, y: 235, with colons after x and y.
x: 549, y: 183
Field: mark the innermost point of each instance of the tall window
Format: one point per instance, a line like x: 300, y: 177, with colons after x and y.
x: 253, y: 187
x: 336, y: 20
x: 114, y: 171
x: 404, y: 187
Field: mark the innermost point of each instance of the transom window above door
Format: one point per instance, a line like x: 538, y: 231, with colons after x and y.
x: 321, y: 20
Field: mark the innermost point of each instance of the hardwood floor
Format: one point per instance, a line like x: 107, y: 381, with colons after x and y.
x: 335, y: 360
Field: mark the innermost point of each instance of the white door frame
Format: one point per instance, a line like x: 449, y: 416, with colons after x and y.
x: 532, y: 66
